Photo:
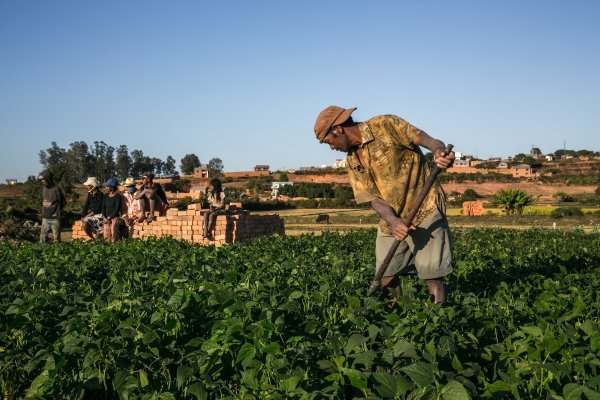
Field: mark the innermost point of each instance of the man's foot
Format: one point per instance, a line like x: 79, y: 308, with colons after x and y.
x: 140, y: 219
x: 150, y: 219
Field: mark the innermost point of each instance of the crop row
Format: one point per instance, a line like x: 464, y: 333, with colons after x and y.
x: 289, y: 317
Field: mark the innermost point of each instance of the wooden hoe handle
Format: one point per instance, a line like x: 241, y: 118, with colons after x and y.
x: 435, y: 171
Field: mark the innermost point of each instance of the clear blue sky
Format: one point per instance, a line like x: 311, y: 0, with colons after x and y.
x: 245, y: 80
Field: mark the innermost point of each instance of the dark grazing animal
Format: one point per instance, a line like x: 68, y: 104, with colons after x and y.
x: 324, y: 218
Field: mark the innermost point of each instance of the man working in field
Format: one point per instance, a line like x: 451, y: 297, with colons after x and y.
x: 388, y: 169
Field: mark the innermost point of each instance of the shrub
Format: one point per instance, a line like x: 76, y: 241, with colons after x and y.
x: 566, y: 212
x: 512, y: 200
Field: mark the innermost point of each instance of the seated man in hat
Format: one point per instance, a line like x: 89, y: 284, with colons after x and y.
x: 92, y: 221
x: 153, y: 198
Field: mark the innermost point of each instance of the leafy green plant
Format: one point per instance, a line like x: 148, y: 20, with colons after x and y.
x: 513, y: 201
x: 289, y: 317
x: 562, y: 197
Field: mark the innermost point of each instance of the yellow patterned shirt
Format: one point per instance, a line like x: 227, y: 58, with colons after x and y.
x: 395, y: 169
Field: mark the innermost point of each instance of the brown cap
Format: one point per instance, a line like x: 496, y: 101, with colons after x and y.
x: 330, y: 117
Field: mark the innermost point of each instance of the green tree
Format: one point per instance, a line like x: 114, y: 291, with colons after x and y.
x: 232, y: 193
x: 215, y: 167
x: 562, y: 197
x: 470, y: 195
x: 55, y: 160
x: 157, y: 166
x: 79, y: 160
x: 343, y: 193
x: 188, y: 163
x: 139, y: 163
x: 32, y: 193
x: 259, y: 185
x: 283, y: 177
x: 123, y: 163
x: 103, y: 160
x: 512, y: 200
x: 169, y: 167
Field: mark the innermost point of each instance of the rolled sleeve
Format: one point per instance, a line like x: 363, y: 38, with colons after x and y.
x: 363, y: 191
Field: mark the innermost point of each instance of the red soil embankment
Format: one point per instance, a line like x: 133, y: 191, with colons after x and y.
x: 544, y: 190
x: 531, y: 188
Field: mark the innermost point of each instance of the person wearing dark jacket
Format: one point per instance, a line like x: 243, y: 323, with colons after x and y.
x: 92, y: 220
x: 53, y: 202
x: 112, y: 209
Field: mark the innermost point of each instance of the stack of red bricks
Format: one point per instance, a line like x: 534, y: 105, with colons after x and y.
x: 78, y: 232
x: 473, y: 208
x: 188, y: 225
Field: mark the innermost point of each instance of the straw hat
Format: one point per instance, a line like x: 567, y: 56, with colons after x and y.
x: 91, y: 181
x: 129, y: 182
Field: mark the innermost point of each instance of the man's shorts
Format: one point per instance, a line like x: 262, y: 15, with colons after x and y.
x: 427, y: 251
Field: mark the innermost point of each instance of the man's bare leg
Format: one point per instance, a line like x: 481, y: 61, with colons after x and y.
x: 392, y: 282
x: 152, y: 207
x: 437, y: 290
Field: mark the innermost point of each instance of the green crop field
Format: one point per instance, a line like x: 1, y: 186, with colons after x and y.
x: 290, y: 318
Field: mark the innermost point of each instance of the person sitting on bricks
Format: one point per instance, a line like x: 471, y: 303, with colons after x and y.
x: 53, y: 202
x: 215, y: 197
x: 91, y: 220
x: 112, y: 209
x: 132, y: 205
x: 153, y: 198
x: 387, y: 168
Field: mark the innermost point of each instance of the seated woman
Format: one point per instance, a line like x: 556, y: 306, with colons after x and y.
x: 216, y: 206
x: 112, y: 209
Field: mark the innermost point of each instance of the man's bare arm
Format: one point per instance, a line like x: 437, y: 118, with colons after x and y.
x: 437, y: 148
x: 385, y: 212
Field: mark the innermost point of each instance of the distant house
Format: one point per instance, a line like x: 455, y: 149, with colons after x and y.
x: 549, y: 157
x: 342, y: 163
x: 522, y: 170
x: 495, y: 159
x: 11, y: 181
x: 275, y: 187
x: 536, y: 153
x: 502, y: 165
x: 201, y: 171
x: 460, y: 163
x: 261, y: 168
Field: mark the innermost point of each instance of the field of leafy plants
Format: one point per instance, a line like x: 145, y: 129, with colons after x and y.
x: 289, y: 318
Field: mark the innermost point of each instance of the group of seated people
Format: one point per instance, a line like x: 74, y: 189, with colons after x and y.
x: 111, y: 215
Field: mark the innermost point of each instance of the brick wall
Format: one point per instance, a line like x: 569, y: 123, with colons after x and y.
x: 246, y: 174
x: 188, y: 225
x: 473, y: 208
